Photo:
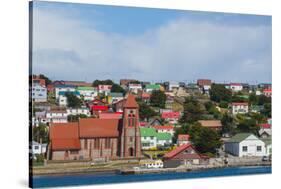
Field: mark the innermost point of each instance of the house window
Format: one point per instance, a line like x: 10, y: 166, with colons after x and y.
x: 107, y: 143
x: 151, y: 137
x: 144, y: 138
x: 36, y: 147
x: 245, y: 148
x: 97, y: 143
x: 259, y: 148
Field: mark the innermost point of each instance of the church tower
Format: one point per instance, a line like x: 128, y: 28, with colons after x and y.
x: 130, y: 138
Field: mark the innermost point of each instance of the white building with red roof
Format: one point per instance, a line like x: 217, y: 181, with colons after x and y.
x: 171, y: 117
x: 165, y: 129
x: 236, y: 87
x: 267, y: 92
x: 183, y: 139
x: 239, y: 108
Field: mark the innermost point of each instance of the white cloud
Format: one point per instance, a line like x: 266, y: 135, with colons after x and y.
x: 65, y: 48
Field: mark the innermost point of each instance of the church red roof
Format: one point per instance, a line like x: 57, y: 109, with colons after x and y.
x: 93, y: 127
x: 131, y: 102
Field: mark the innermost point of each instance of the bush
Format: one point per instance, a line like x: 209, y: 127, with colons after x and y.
x: 223, y: 104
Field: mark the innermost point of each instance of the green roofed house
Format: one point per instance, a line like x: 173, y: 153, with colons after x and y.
x: 151, y: 87
x: 88, y: 93
x: 245, y: 144
x: 163, y: 139
x: 152, y: 139
x: 148, y: 138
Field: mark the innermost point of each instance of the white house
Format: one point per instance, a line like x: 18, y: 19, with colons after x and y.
x: 63, y: 88
x: 245, y: 144
x: 165, y: 129
x: 148, y: 138
x: 104, y: 89
x: 77, y: 111
x: 39, y: 93
x: 239, y: 108
x: 236, y: 87
x: 62, y: 99
x: 133, y: 87
x: 37, y: 148
x: 173, y: 85
x: 151, y: 163
x: 163, y: 139
x: 56, y: 116
x: 88, y: 93
x: 183, y: 139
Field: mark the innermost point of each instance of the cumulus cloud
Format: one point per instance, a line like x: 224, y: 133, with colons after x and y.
x: 182, y: 49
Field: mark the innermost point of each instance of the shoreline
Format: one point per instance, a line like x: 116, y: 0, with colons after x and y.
x: 131, y: 171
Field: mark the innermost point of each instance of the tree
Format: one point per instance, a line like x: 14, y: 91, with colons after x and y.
x: 145, y: 111
x: 192, y: 110
x: 47, y: 80
x: 266, y: 110
x: 72, y: 100
x: 158, y: 99
x: 117, y: 89
x: 181, y: 130
x: 218, y: 93
x: 205, y: 140
x: 248, y: 125
x: 75, y: 118
x: 40, y: 132
x: 228, y: 124
x: 102, y: 82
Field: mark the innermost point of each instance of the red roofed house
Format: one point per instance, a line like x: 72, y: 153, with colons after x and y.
x: 104, y: 89
x: 239, y: 107
x: 267, y: 92
x: 95, y: 138
x: 184, y: 155
x: 236, y: 87
x: 165, y: 129
x: 183, y: 139
x: 204, y: 85
x: 171, y: 117
x: 96, y: 109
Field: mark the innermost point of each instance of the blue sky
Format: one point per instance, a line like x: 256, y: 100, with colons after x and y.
x: 88, y: 42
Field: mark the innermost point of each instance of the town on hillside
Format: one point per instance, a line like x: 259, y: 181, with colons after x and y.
x: 141, y: 126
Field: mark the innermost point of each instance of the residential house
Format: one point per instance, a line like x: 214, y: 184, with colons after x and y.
x: 126, y: 82
x: 204, y: 85
x: 212, y: 124
x: 56, y: 116
x: 173, y: 86
x: 88, y: 93
x: 62, y: 99
x: 265, y: 130
x: 245, y: 144
x: 153, y: 122
x: 104, y: 89
x: 36, y: 148
x: 152, y: 87
x: 118, y: 106
x: 165, y: 129
x: 171, y: 117
x: 185, y: 155
x: 236, y: 87
x: 145, y: 97
x: 114, y: 97
x: 265, y: 85
x: 78, y: 111
x: 63, y: 88
x: 267, y: 92
x: 268, y: 146
x: 94, y: 138
x: 239, y: 108
x: 36, y: 80
x: 135, y: 88
x: 148, y: 138
x: 183, y: 139
x: 39, y: 93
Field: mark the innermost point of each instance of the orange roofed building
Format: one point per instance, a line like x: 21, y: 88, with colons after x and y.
x: 95, y: 138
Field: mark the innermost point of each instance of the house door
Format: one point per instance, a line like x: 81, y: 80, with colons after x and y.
x: 66, y: 155
x: 131, y: 152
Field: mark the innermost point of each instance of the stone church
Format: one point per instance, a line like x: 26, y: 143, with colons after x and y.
x: 95, y: 138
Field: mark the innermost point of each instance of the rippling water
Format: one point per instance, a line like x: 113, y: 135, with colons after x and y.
x: 110, y: 178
